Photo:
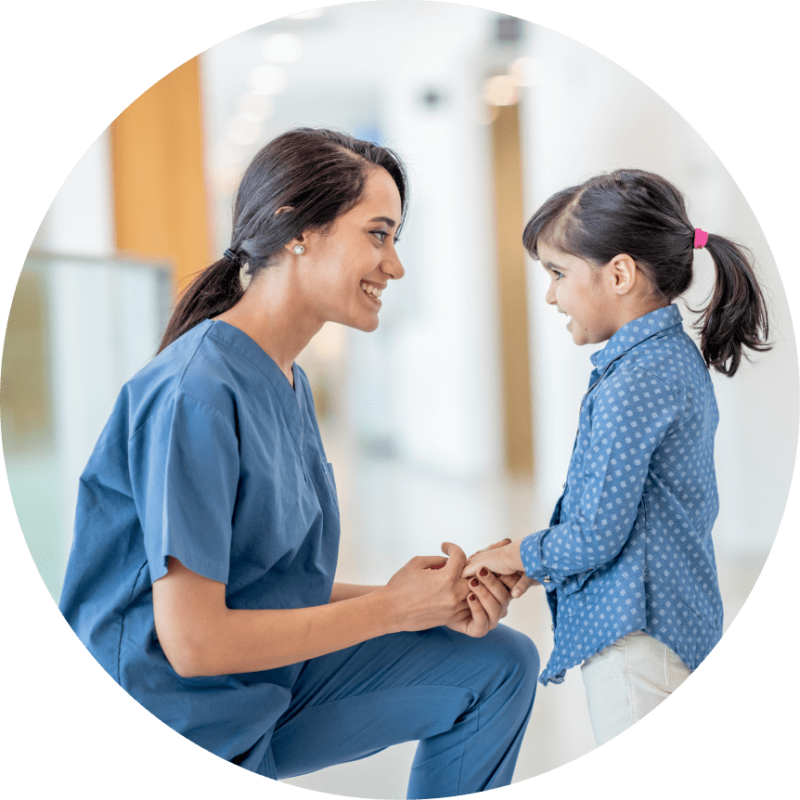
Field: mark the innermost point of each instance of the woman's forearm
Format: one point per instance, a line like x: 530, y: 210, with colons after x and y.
x: 252, y: 640
x: 201, y: 636
x: 347, y: 591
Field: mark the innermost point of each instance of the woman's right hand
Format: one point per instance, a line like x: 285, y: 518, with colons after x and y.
x: 426, y: 593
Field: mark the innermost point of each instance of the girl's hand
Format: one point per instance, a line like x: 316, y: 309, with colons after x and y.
x: 504, y: 560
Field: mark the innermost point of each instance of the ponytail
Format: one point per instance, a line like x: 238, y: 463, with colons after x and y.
x: 736, y: 316
x: 644, y: 215
x: 216, y: 289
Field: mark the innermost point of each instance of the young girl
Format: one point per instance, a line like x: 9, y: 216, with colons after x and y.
x: 201, y: 575
x: 627, y: 561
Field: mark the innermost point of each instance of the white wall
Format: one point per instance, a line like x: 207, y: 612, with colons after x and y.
x: 444, y: 380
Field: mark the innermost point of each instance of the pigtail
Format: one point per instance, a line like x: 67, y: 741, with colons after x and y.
x: 736, y: 316
x: 216, y: 289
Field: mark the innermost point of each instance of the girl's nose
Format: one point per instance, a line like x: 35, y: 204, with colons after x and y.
x: 550, y: 297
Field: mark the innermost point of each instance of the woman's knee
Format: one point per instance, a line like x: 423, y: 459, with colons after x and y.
x: 516, y: 647
x: 509, y: 659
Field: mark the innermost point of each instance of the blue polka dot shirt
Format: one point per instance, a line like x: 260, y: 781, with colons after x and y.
x: 629, y: 544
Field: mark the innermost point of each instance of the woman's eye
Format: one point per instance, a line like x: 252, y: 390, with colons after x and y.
x: 381, y: 234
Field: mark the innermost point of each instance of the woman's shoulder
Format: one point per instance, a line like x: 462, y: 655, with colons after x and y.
x: 192, y: 366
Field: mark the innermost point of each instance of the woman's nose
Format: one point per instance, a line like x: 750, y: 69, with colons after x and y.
x: 393, y: 268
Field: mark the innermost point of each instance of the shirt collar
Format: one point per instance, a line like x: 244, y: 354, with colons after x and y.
x: 635, y: 332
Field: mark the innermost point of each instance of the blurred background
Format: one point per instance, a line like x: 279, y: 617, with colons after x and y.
x: 455, y: 419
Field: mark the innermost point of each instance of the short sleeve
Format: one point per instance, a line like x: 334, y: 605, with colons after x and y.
x: 184, y: 467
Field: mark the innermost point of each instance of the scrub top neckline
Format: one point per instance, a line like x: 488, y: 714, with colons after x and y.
x: 254, y: 352
x: 291, y: 400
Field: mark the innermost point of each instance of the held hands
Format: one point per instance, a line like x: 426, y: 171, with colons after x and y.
x: 504, y: 560
x: 428, y: 592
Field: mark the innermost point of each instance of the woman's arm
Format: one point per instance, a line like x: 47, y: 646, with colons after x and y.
x: 347, y: 591
x: 201, y: 636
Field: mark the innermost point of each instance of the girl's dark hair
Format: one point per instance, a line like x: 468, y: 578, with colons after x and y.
x: 644, y: 216
x: 318, y: 173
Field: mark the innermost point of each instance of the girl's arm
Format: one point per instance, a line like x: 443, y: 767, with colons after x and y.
x: 201, y: 636
x: 631, y: 416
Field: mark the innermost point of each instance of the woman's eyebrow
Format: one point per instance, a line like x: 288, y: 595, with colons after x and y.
x: 388, y: 220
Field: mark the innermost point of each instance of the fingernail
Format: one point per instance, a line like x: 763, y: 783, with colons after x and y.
x: 474, y: 582
x: 515, y: 592
x: 473, y: 598
x: 484, y: 572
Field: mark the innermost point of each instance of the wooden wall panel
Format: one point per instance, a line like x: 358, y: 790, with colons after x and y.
x: 161, y: 206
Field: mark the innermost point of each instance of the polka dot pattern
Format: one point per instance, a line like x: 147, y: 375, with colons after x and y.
x: 629, y: 544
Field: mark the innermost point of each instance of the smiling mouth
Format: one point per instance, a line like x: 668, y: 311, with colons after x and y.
x: 373, y: 292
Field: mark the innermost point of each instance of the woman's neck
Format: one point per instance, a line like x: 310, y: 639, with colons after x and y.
x: 271, y: 316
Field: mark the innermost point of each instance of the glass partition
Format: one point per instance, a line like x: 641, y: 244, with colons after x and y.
x: 77, y: 330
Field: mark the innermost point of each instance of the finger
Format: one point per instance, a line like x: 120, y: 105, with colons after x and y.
x: 509, y: 581
x: 491, y: 605
x: 522, y: 586
x: 491, y: 547
x: 456, y: 558
x: 429, y: 562
x: 500, y: 591
x: 499, y: 544
x: 480, y: 619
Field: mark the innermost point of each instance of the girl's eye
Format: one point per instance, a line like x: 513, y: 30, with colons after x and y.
x: 558, y: 275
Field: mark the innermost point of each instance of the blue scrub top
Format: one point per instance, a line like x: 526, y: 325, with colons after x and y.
x: 210, y: 457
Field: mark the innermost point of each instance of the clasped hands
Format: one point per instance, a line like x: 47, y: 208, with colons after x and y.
x: 493, y: 577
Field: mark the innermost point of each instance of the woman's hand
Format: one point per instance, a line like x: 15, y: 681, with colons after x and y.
x: 428, y: 592
x: 504, y: 560
x: 487, y: 604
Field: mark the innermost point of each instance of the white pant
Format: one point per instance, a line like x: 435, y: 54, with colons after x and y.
x: 627, y: 680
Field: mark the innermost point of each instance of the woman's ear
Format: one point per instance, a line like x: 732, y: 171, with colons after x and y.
x: 299, y: 240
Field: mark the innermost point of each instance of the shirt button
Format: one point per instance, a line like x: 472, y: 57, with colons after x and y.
x: 552, y: 627
x: 546, y: 579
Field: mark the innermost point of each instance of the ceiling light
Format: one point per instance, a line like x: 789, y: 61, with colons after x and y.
x: 500, y: 90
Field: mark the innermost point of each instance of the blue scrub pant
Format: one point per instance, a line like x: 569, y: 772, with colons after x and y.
x: 466, y: 700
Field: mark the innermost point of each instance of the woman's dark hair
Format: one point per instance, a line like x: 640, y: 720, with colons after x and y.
x: 644, y: 216
x: 319, y: 174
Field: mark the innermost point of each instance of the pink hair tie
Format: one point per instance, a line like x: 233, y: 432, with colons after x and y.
x: 700, y: 238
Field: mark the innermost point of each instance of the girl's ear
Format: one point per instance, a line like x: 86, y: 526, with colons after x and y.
x: 623, y: 273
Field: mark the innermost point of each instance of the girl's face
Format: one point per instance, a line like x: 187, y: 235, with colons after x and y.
x: 581, y: 292
x: 343, y: 272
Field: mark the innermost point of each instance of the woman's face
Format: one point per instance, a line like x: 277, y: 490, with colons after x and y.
x: 343, y: 271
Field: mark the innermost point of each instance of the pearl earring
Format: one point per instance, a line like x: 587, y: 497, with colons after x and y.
x: 299, y: 249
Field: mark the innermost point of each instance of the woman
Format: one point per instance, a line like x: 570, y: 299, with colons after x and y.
x: 206, y: 534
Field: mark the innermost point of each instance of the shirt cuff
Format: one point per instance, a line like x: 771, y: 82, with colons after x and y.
x: 530, y: 551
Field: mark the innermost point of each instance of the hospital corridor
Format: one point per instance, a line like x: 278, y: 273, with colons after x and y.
x: 454, y: 420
